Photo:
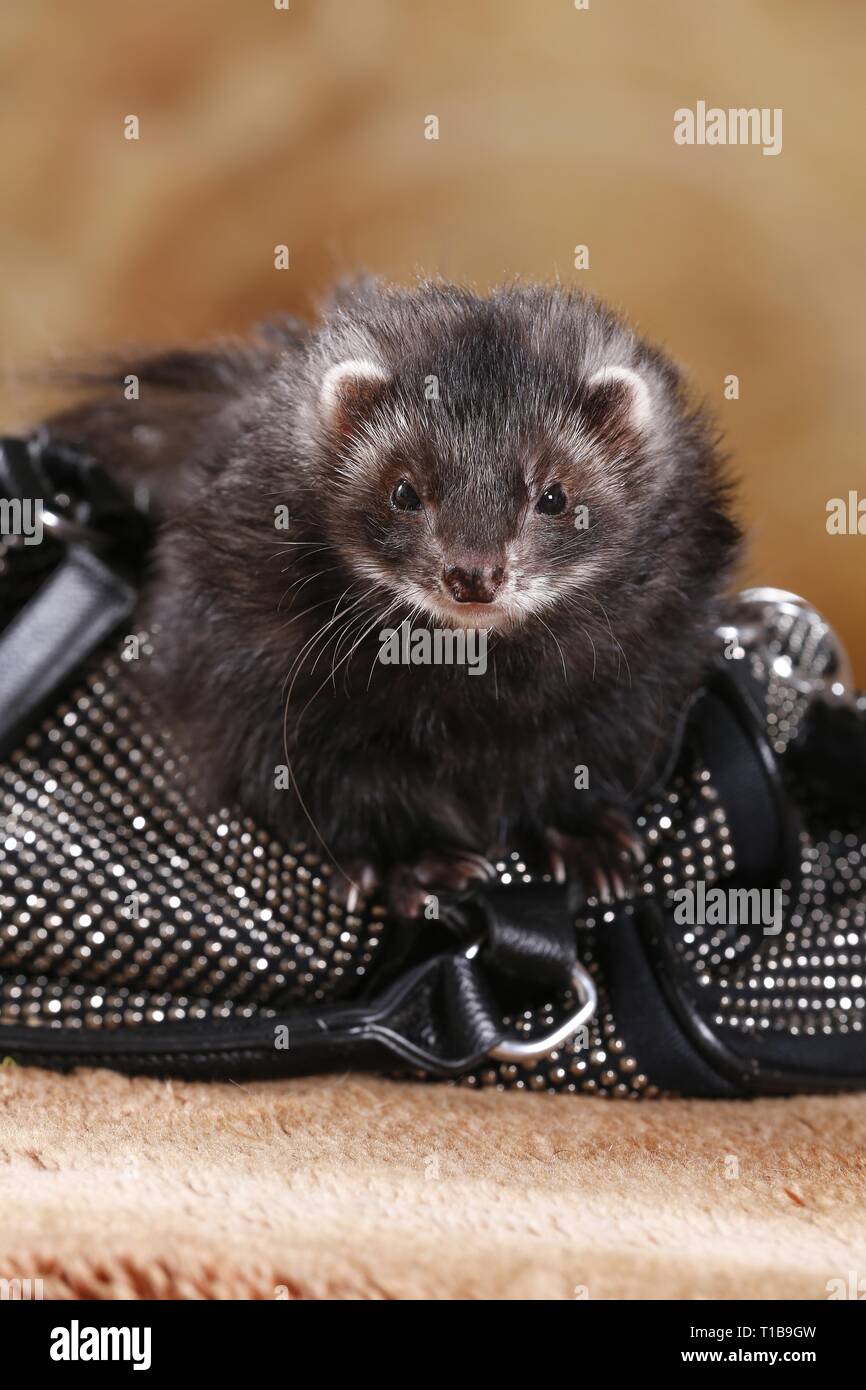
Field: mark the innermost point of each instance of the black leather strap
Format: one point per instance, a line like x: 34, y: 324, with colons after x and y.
x: 90, y: 592
x: 77, y: 608
x: 78, y: 491
x: 443, y: 1016
x: 727, y: 730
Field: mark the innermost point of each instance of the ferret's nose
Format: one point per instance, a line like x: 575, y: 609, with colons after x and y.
x: 479, y: 585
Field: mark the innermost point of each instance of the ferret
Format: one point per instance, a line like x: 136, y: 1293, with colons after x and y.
x: 519, y: 465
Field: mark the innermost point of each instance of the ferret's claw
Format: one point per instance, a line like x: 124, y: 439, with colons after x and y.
x: 454, y: 869
x: 353, y: 897
x: 357, y: 879
x: 410, y: 886
x: 604, y: 861
x: 615, y: 824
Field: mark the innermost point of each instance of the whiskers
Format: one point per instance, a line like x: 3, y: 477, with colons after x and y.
x: 558, y: 646
x: 572, y: 602
x: 615, y: 640
x: 349, y: 622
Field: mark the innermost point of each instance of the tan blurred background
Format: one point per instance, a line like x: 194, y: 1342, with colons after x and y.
x: 306, y: 127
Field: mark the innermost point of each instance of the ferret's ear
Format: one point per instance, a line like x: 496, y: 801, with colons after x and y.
x: 617, y: 400
x: 349, y: 391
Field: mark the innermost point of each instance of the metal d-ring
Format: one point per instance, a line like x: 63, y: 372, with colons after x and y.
x: 513, y: 1050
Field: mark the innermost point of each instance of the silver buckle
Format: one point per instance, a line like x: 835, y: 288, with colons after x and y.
x: 513, y: 1050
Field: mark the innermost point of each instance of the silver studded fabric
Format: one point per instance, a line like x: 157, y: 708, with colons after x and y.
x: 119, y: 905
x: 810, y: 978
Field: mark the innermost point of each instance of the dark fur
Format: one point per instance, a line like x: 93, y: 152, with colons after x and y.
x: 392, y: 761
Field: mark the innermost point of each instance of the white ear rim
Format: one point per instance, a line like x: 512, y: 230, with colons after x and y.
x: 641, y: 401
x: 353, y: 369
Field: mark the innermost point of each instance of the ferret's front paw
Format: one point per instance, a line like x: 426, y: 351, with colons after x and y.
x: 409, y: 887
x: 605, y: 860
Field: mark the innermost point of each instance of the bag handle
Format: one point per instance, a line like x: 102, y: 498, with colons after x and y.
x: 87, y: 596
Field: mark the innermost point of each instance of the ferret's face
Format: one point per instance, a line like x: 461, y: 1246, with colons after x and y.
x: 476, y: 510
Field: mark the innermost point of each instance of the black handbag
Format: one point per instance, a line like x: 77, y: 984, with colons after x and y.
x: 138, y: 935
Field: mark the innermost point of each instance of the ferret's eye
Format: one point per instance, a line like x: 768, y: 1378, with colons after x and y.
x: 405, y: 498
x: 552, y: 501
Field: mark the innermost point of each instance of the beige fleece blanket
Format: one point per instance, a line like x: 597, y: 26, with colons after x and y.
x: 348, y: 1187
